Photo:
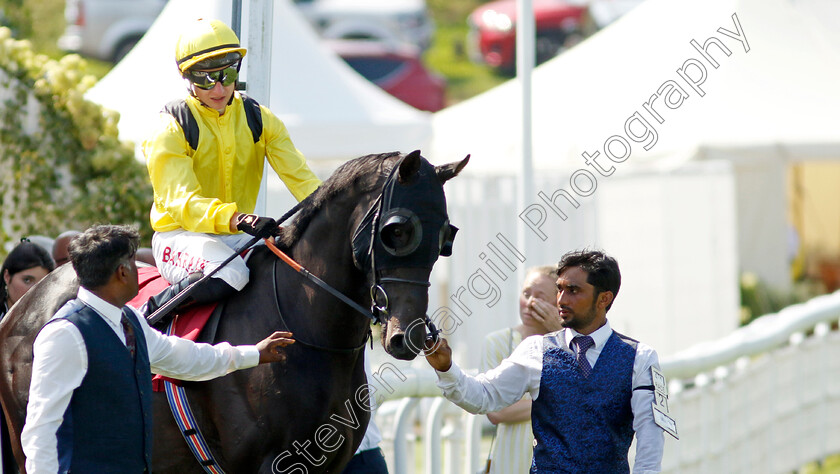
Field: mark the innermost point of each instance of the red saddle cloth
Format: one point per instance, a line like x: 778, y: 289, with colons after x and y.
x: 187, y: 325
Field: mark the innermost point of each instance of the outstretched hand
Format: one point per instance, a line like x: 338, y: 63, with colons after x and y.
x: 271, y: 348
x: 438, y: 354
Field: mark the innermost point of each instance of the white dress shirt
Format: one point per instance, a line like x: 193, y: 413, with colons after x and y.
x: 521, y: 372
x: 60, y: 363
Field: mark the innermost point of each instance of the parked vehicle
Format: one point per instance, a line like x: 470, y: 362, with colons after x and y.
x: 397, y: 69
x: 395, y: 21
x: 492, y: 38
x: 107, y: 29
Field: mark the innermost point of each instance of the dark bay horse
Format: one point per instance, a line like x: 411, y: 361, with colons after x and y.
x: 379, y: 222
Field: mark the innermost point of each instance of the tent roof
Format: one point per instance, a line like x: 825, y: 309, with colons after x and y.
x: 331, y: 112
x: 779, y: 96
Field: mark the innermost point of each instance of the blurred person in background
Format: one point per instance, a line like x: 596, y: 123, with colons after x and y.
x: 512, y: 447
x: 59, y: 248
x: 43, y: 241
x: 27, y: 264
x: 145, y: 255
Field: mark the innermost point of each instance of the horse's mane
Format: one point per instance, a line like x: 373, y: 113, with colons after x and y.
x: 353, y: 173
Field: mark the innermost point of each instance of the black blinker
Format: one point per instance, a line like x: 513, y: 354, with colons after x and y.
x: 447, y: 241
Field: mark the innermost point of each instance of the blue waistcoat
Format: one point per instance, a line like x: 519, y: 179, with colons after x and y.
x: 107, y: 427
x: 584, y: 425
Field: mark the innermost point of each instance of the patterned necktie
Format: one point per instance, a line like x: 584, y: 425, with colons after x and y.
x: 129, y: 334
x: 583, y: 344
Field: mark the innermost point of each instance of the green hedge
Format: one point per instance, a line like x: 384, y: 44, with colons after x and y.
x: 72, y: 171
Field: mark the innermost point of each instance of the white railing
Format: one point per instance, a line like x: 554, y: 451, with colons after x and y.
x: 765, y: 399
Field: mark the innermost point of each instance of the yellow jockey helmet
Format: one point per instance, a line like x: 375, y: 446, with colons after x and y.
x: 207, y: 44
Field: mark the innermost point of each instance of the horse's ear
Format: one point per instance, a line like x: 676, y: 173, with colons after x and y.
x: 409, y: 166
x: 451, y: 170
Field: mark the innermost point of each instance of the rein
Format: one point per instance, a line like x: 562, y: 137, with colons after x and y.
x: 433, y: 330
x: 379, y: 301
x: 304, y: 272
x: 182, y: 295
x: 378, y: 312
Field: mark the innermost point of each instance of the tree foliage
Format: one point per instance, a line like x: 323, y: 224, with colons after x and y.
x: 62, y: 164
x: 40, y: 21
x: 448, y: 12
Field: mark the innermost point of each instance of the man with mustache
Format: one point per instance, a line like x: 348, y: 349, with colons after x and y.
x: 592, y: 387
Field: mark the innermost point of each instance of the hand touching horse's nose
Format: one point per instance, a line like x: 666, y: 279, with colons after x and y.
x: 438, y: 354
x: 271, y: 348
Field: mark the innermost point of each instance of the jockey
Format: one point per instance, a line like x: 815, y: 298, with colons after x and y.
x: 205, y: 191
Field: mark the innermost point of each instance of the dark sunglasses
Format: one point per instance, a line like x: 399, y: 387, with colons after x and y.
x: 207, y: 79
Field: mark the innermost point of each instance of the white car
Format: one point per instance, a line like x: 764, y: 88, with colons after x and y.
x: 393, y: 21
x: 107, y: 29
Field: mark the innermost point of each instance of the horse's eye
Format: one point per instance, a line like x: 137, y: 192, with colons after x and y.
x: 397, y: 236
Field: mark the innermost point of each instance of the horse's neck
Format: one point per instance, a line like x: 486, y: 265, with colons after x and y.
x: 325, y: 247
x: 324, y: 250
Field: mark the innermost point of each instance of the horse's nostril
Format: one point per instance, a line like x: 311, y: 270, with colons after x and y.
x: 397, y: 341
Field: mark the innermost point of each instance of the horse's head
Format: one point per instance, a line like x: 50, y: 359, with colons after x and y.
x: 396, y: 244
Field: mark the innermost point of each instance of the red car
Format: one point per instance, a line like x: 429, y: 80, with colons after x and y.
x: 492, y: 37
x: 397, y: 69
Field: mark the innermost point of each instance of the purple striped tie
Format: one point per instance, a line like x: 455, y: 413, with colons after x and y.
x: 129, y: 335
x: 583, y: 344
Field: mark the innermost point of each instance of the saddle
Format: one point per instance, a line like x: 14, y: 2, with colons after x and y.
x: 195, y: 321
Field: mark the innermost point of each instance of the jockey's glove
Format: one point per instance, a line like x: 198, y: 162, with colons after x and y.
x: 262, y: 227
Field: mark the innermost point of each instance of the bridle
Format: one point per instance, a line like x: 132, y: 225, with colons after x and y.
x: 381, y: 215
x: 379, y: 308
x: 378, y: 295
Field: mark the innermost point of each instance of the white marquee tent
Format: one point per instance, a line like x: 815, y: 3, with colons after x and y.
x: 707, y: 199
x: 332, y: 113
x: 781, y: 93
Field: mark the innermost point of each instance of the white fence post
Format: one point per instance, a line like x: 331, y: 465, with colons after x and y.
x: 432, y: 436
x: 473, y: 461
x: 403, y: 453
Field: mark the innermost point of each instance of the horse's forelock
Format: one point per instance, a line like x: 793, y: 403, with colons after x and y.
x: 363, y: 173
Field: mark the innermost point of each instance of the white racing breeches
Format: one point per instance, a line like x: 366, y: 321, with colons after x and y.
x: 179, y: 253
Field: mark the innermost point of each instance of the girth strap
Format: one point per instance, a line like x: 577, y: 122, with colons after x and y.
x: 181, y: 411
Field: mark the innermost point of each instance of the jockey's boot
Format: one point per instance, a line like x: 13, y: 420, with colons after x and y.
x: 212, y: 289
